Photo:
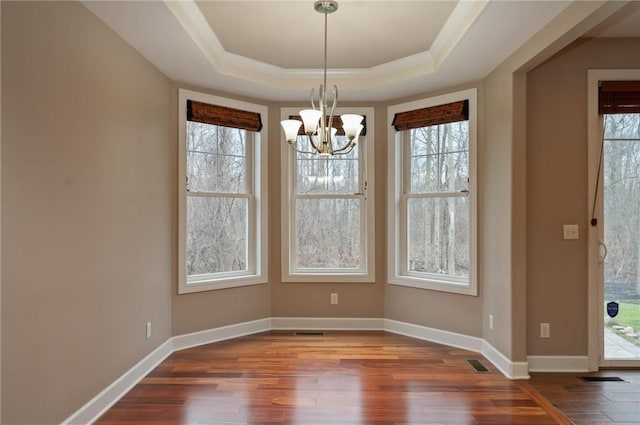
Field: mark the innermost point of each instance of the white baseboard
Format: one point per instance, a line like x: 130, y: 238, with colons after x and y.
x: 558, y: 363
x: 94, y: 408
x: 327, y: 323
x: 510, y: 369
x: 182, y: 342
x: 438, y: 336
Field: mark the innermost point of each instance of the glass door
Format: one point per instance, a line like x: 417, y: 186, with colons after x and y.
x: 620, y: 249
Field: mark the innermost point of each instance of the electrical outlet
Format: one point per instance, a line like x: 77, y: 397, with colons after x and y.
x: 334, y: 298
x: 148, y: 330
x: 545, y: 330
x: 491, y: 321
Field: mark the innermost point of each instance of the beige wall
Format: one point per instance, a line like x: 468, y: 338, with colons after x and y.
x: 495, y: 215
x: 0, y: 217
x: 557, y: 190
x: 211, y: 309
x: 518, y: 229
x: 88, y: 184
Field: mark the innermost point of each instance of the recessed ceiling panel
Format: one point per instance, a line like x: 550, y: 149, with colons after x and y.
x: 290, y: 34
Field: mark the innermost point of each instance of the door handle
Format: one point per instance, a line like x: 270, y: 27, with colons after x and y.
x: 602, y: 251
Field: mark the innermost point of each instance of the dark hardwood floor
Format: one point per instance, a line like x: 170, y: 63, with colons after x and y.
x: 345, y: 378
x: 593, y: 403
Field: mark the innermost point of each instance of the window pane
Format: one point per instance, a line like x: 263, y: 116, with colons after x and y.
x: 622, y: 126
x: 438, y: 235
x: 328, y: 233
x: 423, y: 174
x: 439, y: 158
x: 217, y: 235
x: 335, y: 174
x: 216, y: 158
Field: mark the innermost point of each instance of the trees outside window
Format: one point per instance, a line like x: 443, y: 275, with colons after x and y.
x: 622, y: 199
x: 621, y: 220
x: 436, y: 200
x: 218, y: 200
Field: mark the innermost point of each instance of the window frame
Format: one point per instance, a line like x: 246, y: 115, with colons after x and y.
x: 398, y: 157
x: 256, y: 196
x: 367, y: 235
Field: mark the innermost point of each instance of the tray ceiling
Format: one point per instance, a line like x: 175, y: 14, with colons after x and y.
x: 377, y: 50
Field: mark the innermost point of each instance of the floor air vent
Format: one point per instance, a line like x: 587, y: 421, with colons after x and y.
x: 477, y: 366
x: 309, y: 333
x: 601, y: 379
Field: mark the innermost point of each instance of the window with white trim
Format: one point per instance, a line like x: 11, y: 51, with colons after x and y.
x: 327, y: 211
x: 432, y: 193
x: 222, y: 207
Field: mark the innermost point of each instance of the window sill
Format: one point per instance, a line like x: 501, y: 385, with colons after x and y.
x: 212, y: 285
x: 434, y: 285
x: 328, y: 278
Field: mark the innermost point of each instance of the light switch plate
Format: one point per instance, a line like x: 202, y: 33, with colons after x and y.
x: 570, y: 232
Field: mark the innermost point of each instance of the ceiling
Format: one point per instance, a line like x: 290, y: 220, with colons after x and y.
x: 377, y: 50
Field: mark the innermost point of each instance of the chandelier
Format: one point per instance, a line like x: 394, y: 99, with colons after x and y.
x: 318, y: 121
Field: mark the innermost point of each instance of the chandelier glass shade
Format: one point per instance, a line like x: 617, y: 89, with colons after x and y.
x: 318, y: 121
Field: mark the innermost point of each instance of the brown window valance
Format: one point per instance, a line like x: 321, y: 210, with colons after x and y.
x: 619, y: 97
x: 337, y: 124
x: 433, y: 115
x: 223, y: 116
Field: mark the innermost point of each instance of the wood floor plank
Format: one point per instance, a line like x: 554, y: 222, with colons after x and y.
x: 340, y: 378
x: 592, y: 403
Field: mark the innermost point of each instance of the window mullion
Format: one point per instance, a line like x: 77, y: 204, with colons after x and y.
x: 328, y: 196
x: 416, y: 195
x: 219, y: 195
